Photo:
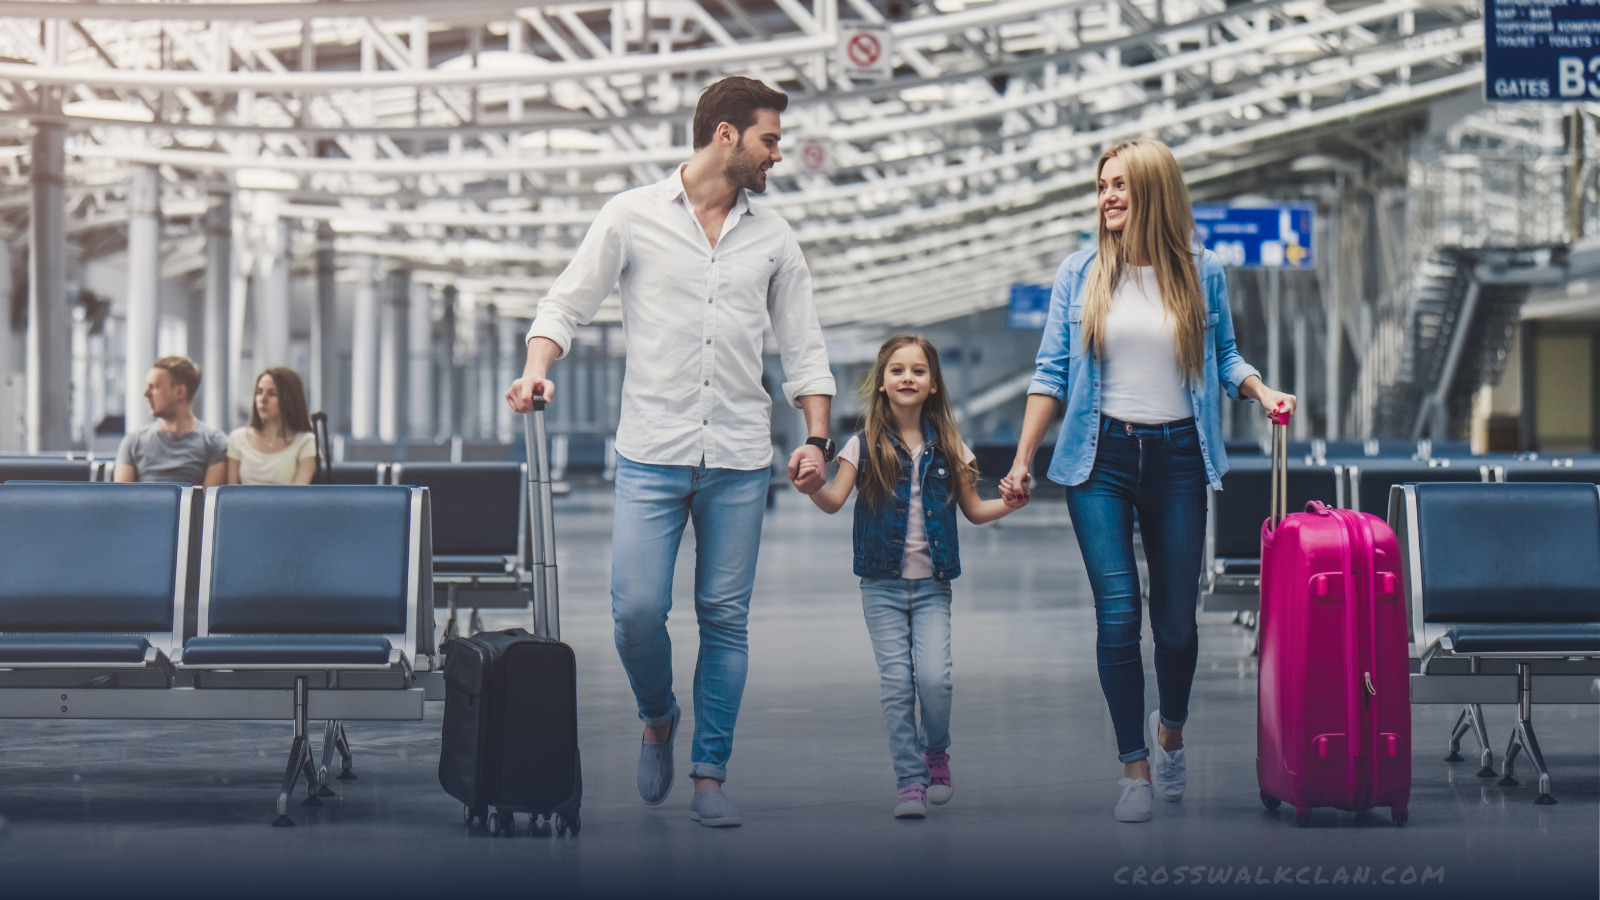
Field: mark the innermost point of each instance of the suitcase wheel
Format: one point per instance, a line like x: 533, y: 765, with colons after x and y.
x: 471, y: 816
x: 502, y: 823
x: 539, y: 825
x: 1303, y: 818
x: 568, y: 823
x: 1269, y: 801
x: 1399, y: 816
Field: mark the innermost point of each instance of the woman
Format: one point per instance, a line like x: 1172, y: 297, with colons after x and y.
x: 1136, y: 344
x: 277, y: 447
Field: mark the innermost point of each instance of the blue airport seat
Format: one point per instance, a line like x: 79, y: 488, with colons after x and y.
x: 1507, y: 573
x: 44, y: 468
x: 1584, y: 470
x: 122, y: 608
x: 1370, y: 481
x: 480, y: 541
x: 310, y: 588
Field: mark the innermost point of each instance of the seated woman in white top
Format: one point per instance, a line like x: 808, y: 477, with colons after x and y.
x: 277, y: 447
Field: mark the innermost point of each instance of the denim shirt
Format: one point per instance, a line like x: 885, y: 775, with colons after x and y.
x: 880, y: 531
x: 1064, y: 371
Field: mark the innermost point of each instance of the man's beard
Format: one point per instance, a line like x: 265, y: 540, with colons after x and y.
x: 743, y: 172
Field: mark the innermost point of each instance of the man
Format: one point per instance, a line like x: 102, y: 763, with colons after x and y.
x: 176, y: 447
x: 702, y: 272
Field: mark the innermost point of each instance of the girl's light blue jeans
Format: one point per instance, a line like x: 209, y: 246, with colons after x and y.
x: 653, y: 503
x: 909, y: 622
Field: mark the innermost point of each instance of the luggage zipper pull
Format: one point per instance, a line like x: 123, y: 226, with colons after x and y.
x: 1370, y: 689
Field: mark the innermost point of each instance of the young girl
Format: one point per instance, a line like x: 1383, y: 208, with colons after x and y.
x: 913, y: 470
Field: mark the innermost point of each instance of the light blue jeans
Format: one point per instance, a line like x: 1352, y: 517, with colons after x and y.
x: 652, y: 505
x: 909, y: 622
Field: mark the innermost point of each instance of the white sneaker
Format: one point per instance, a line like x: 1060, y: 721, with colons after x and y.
x: 1134, y: 804
x: 913, y: 802
x: 1168, y: 770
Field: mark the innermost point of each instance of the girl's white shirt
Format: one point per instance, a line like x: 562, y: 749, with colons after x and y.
x: 918, y: 560
x: 1141, y: 381
x: 256, y: 467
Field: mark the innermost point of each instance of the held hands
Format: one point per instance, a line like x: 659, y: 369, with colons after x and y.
x: 807, y: 471
x: 520, y: 395
x: 1016, y: 489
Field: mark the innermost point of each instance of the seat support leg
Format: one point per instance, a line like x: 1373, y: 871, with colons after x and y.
x: 1471, y: 719
x: 299, y: 755
x: 451, y: 629
x: 474, y: 623
x: 342, y: 744
x: 1522, y: 737
x: 328, y: 736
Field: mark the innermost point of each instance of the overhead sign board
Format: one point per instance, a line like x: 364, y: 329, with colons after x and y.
x: 1258, y: 237
x: 1029, y: 307
x: 864, y: 52
x: 1541, y: 50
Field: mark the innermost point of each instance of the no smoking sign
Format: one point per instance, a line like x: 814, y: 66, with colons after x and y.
x: 864, y: 52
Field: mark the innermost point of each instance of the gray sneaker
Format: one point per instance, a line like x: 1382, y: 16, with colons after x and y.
x: 1169, y: 771
x: 655, y: 765
x: 1134, y: 804
x: 714, y: 810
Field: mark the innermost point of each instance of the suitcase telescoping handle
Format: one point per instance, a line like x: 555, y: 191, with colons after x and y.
x: 1280, y: 466
x: 546, y: 603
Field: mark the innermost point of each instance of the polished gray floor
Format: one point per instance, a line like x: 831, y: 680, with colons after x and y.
x: 134, y: 809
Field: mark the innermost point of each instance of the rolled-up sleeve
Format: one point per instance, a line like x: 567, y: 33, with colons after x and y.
x: 1050, y: 367
x: 583, y: 285
x: 1232, y: 370
x: 795, y: 325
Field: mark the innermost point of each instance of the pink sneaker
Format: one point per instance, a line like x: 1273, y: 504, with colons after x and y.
x: 939, y: 789
x: 913, y: 802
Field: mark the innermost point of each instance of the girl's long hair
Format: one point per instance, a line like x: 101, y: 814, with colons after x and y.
x: 1160, y: 227
x: 880, y: 463
x: 292, y: 410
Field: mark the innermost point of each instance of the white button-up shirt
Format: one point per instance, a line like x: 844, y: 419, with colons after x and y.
x: 694, y: 319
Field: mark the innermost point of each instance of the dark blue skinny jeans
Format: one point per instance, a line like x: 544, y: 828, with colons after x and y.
x: 1155, y: 472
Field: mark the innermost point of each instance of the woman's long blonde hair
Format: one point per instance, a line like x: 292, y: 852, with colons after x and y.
x: 880, y: 463
x: 1160, y: 227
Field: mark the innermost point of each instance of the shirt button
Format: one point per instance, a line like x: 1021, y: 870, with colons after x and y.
x: 708, y: 384
x: 708, y: 342
x: 710, y: 301
x: 705, y: 421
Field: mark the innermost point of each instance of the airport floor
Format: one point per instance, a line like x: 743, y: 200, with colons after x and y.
x: 130, y: 809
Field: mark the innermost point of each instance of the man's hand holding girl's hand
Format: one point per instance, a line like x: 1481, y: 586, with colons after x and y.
x: 807, y: 471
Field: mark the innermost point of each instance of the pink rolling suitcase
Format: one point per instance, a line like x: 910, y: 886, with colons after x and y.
x: 1333, y: 709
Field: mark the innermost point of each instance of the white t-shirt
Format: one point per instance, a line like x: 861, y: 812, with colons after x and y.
x: 256, y: 467
x: 1141, y: 380
x: 917, y: 561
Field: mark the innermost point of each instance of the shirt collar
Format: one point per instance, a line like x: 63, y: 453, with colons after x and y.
x: 675, y: 192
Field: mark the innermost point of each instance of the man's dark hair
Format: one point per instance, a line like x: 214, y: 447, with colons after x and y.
x: 182, y: 371
x: 735, y: 100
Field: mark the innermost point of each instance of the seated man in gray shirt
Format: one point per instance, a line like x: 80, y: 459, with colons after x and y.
x: 176, y: 447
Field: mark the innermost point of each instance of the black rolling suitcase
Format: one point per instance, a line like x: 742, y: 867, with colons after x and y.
x: 319, y: 434
x: 511, y: 709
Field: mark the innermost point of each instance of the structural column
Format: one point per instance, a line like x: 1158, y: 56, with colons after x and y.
x: 144, y: 290
x: 326, y: 392
x: 364, y: 352
x: 392, y: 348
x: 272, y: 300
x: 449, y: 420
x: 419, y: 363
x: 49, y: 317
x: 486, y: 345
x: 215, y: 309
x: 511, y: 359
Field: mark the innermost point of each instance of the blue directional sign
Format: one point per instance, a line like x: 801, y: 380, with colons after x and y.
x: 1258, y: 237
x: 1541, y: 50
x: 1030, y: 305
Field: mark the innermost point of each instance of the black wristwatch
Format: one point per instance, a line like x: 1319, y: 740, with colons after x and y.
x: 827, y: 447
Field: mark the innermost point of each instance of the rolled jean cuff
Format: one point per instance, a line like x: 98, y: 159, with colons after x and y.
x: 1134, y: 755
x: 707, y: 770
x: 653, y: 721
x: 904, y: 783
x: 1170, y: 723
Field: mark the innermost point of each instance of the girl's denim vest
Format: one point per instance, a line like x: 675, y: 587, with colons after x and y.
x: 880, y: 531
